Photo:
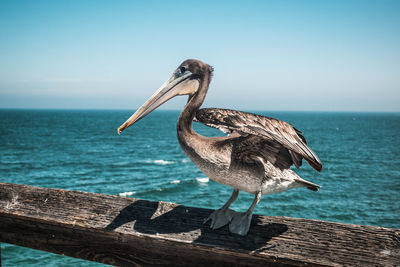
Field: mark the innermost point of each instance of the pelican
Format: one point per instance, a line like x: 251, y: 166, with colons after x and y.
x: 256, y: 156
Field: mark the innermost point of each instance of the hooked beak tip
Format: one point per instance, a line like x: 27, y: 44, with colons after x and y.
x: 121, y: 128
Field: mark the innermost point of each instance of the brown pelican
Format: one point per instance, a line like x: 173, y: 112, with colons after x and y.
x: 256, y: 157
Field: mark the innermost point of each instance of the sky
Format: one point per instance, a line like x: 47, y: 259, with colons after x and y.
x: 267, y: 55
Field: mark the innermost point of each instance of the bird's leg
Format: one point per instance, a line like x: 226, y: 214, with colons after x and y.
x: 222, y: 216
x: 240, y: 223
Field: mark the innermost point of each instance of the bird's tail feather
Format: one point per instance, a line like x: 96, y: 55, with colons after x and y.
x: 309, y: 185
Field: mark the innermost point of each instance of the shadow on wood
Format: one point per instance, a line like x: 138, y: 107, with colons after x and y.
x: 177, y: 220
x: 125, y: 231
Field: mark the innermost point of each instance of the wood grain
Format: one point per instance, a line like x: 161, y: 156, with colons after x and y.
x: 132, y: 232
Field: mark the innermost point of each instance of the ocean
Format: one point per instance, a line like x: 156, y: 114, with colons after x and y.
x: 81, y: 150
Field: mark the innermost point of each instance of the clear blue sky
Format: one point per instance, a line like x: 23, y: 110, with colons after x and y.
x: 267, y: 55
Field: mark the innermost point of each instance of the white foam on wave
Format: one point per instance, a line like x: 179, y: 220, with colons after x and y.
x: 125, y: 194
x: 203, y: 179
x: 162, y: 162
x: 185, y: 160
x: 175, y: 181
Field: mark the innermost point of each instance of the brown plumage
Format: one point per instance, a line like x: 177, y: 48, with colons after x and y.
x: 256, y: 157
x: 277, y: 132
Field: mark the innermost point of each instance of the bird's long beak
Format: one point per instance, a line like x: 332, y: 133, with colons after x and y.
x: 167, y: 91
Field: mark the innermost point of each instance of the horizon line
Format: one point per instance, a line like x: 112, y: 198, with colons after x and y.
x: 167, y: 109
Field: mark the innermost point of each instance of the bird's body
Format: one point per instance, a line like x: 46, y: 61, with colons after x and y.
x: 247, y: 163
x: 256, y: 157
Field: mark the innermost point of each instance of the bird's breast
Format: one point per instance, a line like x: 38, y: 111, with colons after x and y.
x: 214, y: 158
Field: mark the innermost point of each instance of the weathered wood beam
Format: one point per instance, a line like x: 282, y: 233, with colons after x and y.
x: 125, y: 231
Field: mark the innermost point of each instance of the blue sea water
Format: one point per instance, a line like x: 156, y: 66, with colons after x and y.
x: 80, y: 150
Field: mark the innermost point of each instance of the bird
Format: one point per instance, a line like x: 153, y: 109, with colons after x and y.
x: 255, y: 156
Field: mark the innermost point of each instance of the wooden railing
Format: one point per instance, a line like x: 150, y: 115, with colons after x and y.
x: 125, y: 231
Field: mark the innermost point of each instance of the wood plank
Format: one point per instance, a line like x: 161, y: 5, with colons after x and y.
x: 125, y: 231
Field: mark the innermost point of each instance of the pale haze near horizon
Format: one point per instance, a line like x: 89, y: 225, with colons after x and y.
x: 267, y: 55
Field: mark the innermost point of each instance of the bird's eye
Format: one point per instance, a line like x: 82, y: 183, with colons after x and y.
x: 182, y: 69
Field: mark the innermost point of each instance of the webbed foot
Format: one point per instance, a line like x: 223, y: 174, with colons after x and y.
x: 220, y: 217
x: 240, y: 223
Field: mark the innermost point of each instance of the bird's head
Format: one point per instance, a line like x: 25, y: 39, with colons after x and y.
x: 185, y: 80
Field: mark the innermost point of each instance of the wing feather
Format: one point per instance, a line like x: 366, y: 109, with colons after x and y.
x: 271, y: 129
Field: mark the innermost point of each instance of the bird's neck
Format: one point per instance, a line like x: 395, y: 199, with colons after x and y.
x: 189, y: 111
x: 191, y: 142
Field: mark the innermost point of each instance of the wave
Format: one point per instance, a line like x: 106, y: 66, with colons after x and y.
x: 203, y: 179
x: 175, y: 181
x: 160, y: 162
x: 126, y: 194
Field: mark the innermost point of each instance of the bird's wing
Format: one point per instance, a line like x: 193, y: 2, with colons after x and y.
x: 271, y: 129
x: 252, y: 147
